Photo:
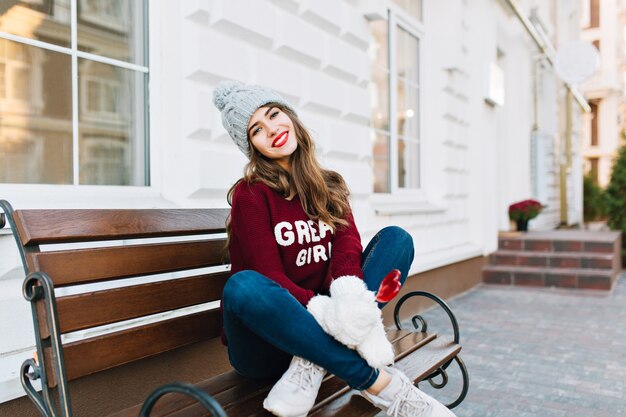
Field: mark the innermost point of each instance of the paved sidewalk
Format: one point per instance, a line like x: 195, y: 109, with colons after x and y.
x: 536, y: 352
x: 541, y: 352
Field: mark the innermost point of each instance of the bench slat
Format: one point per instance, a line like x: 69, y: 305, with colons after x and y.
x: 173, y: 405
x: 82, y: 311
x: 229, y: 387
x: 243, y: 397
x: 101, y: 264
x: 58, y: 226
x: 103, y: 352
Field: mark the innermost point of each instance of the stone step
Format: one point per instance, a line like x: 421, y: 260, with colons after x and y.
x: 593, y: 279
x: 561, y: 241
x: 570, y: 260
x: 540, y: 245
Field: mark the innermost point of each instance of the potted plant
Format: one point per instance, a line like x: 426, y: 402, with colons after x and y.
x: 523, y: 211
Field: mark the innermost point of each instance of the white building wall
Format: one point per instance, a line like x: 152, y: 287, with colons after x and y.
x: 476, y: 158
x: 514, y: 118
x: 322, y: 67
x: 317, y: 60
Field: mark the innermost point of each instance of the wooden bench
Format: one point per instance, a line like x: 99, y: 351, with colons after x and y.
x: 166, y: 265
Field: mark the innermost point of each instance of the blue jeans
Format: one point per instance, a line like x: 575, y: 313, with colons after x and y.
x: 266, y: 326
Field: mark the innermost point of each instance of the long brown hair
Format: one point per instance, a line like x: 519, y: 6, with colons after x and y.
x: 323, y: 193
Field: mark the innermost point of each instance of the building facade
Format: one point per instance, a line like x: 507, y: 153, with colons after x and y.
x: 439, y: 114
x: 603, y: 24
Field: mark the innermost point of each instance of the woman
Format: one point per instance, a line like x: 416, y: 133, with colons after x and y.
x: 291, y: 232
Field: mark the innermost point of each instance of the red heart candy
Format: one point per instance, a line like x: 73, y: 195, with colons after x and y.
x: 390, y: 287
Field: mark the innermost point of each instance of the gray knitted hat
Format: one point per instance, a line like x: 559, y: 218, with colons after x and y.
x: 238, y: 102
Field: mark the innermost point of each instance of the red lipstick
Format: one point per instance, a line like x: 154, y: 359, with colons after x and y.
x: 281, y: 139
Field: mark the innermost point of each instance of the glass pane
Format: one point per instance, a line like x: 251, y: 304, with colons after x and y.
x: 111, y: 125
x: 379, y: 99
x: 408, y: 111
x: 408, y: 164
x: 413, y: 7
x: 381, y: 162
x: 378, y: 50
x: 36, y: 109
x: 3, y: 87
x: 44, y: 20
x: 407, y: 48
x: 112, y: 28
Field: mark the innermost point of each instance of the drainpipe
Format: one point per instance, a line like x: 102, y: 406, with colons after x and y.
x: 566, y: 161
x: 547, y: 49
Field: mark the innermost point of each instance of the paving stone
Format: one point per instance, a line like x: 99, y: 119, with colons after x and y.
x: 540, y: 352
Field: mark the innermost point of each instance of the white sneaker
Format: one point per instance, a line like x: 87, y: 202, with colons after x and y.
x: 295, y: 392
x: 403, y: 399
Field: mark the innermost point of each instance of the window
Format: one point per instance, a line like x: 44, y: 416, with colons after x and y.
x: 594, y: 122
x: 15, y: 71
x: 112, y: 14
x: 495, y: 86
x: 73, y: 91
x: 594, y: 13
x: 395, y: 91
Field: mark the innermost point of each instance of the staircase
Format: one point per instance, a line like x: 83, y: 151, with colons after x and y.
x: 560, y: 258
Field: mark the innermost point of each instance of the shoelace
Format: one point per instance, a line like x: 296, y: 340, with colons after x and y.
x: 408, y: 402
x: 303, y: 375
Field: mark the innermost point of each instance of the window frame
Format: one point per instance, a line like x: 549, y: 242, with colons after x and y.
x: 75, y: 54
x: 399, y: 18
x: 29, y: 195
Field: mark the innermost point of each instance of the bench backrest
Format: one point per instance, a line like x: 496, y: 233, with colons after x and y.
x: 182, y: 249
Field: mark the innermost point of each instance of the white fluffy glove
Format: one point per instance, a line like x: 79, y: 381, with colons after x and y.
x: 351, y: 315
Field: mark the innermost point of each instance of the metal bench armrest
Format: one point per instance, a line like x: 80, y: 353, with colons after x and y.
x: 420, y: 324
x: 423, y: 327
x: 191, y: 390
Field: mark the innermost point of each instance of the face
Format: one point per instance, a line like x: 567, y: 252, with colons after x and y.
x: 271, y: 132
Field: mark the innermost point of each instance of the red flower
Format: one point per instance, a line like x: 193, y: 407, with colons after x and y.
x: 525, y: 210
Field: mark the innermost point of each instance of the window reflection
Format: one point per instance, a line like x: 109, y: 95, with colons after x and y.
x: 36, y: 122
x: 379, y: 99
x: 44, y: 20
x: 408, y: 163
x: 407, y: 51
x: 381, y: 163
x: 110, y: 125
x: 408, y: 119
x: 112, y: 28
x: 379, y: 87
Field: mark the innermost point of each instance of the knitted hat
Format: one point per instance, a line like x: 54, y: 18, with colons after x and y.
x: 238, y: 102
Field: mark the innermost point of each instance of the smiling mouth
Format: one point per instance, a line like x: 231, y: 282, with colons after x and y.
x: 280, y: 139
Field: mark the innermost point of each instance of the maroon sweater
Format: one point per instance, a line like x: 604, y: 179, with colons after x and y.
x: 275, y: 237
